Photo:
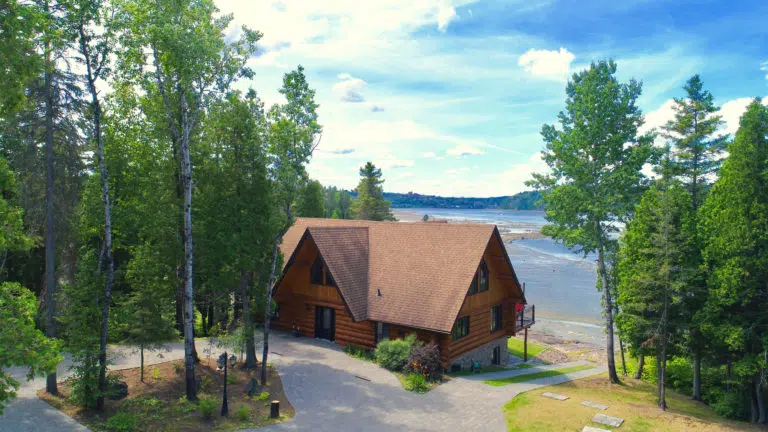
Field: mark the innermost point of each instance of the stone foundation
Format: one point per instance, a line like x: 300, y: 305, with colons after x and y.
x: 483, y: 355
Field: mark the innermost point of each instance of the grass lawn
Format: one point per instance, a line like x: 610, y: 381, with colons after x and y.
x: 516, y: 348
x: 158, y: 403
x: 489, y: 369
x: 634, y: 401
x: 536, y: 375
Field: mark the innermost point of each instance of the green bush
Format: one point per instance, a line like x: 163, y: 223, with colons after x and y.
x: 393, y: 354
x: 122, y: 422
x: 207, y: 406
x: 360, y: 353
x: 261, y: 397
x: 178, y: 368
x: 156, y: 373
x: 205, y: 384
x: 243, y: 413
x: 416, y: 382
x: 232, y: 379
x: 732, y: 405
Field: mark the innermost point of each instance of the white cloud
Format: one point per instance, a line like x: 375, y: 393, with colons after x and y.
x: 445, y: 14
x: 733, y: 110
x: 463, y: 149
x: 547, y: 64
x: 659, y: 117
x: 429, y: 155
x: 350, y: 89
x: 764, y: 68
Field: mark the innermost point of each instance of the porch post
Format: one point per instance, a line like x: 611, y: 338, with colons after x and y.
x: 525, y: 346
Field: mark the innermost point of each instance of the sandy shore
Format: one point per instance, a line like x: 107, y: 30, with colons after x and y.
x: 509, y: 232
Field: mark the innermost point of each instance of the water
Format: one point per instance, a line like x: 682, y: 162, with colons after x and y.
x: 559, y: 282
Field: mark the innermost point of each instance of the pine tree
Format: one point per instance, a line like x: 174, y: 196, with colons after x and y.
x: 370, y: 203
x: 734, y: 221
x: 595, y: 179
x: 698, y: 155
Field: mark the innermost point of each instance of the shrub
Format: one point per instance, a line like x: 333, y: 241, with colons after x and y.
x: 178, y: 368
x: 416, y: 382
x: 425, y: 360
x: 205, y: 384
x: 122, y: 422
x: 243, y: 413
x: 393, y: 354
x: 359, y: 353
x: 732, y: 405
x: 207, y: 406
x: 261, y: 397
x: 156, y: 373
x: 184, y: 406
x: 231, y: 379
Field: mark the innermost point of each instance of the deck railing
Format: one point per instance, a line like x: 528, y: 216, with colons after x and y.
x: 526, y: 317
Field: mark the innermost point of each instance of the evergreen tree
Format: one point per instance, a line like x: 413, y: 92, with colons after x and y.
x: 653, y: 273
x: 370, y: 203
x: 309, y: 203
x: 734, y: 222
x: 595, y: 179
x: 698, y: 154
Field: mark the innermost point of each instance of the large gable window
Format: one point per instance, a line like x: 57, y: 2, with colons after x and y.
x: 460, y: 328
x: 316, y: 272
x: 483, y: 276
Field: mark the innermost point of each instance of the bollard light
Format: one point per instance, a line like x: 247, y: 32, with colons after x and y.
x: 221, y: 362
x: 232, y: 360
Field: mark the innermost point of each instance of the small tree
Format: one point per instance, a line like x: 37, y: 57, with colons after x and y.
x: 309, y: 203
x: 151, y: 323
x: 370, y: 203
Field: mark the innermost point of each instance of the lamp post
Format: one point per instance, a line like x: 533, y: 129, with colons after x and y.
x: 224, y: 405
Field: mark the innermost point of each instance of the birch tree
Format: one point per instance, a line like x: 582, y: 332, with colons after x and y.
x: 188, y: 61
x: 595, y: 180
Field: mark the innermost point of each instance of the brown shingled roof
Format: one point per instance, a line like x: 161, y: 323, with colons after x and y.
x: 422, y: 270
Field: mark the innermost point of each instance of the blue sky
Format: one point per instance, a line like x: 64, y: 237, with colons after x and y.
x: 448, y: 97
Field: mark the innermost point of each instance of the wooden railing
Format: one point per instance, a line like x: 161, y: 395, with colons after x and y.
x: 526, y: 317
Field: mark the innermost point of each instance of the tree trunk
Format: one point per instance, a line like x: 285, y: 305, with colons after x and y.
x: 697, y: 376
x: 762, y: 413
x: 250, y: 344
x: 268, y: 308
x: 608, y: 309
x: 50, y: 239
x: 190, y: 356
x: 623, y: 360
x: 640, y: 365
x: 754, y: 414
x: 108, y: 256
x: 141, y: 361
x: 663, y: 377
x: 658, y: 374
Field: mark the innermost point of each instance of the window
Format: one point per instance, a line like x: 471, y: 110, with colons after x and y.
x: 495, y: 318
x: 473, y: 286
x: 316, y: 272
x: 496, y: 356
x: 483, y: 276
x: 382, y: 332
x: 460, y: 328
x: 328, y: 278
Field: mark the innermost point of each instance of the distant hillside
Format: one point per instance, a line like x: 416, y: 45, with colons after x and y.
x: 521, y: 201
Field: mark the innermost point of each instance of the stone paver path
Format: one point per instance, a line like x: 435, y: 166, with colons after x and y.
x: 595, y: 405
x: 607, y: 420
x: 330, y: 392
x: 555, y: 396
x: 593, y: 429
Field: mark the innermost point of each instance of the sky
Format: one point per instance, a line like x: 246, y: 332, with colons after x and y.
x: 448, y: 97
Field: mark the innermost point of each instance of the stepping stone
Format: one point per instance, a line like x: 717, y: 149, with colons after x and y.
x: 555, y: 396
x: 593, y: 429
x: 607, y: 420
x: 595, y: 405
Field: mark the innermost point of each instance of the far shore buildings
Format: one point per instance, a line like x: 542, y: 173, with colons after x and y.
x: 359, y: 282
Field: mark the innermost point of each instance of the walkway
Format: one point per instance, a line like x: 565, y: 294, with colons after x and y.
x: 329, y: 390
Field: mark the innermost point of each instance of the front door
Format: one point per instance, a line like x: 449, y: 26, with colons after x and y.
x: 325, y: 323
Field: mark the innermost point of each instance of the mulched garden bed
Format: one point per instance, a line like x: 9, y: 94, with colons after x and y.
x: 159, y: 403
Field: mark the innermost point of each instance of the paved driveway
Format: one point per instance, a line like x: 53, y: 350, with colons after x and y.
x: 334, y: 392
x: 329, y: 390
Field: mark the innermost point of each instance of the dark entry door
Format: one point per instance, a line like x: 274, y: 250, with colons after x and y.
x: 325, y: 323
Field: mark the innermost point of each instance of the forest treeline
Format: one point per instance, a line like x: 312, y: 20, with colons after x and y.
x: 144, y: 197
x: 682, y: 256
